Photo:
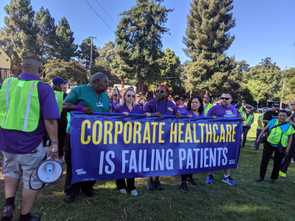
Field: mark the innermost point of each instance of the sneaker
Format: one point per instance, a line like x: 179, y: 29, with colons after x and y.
x: 134, y: 193
x: 229, y: 181
x: 7, y: 213
x: 282, y: 174
x: 183, y: 186
x: 34, y: 218
x: 210, y: 179
x: 122, y: 191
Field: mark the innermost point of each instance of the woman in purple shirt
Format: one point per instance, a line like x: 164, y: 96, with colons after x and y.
x: 128, y: 106
x: 195, y: 109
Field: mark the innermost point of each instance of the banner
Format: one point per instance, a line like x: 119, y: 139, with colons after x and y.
x: 114, y: 146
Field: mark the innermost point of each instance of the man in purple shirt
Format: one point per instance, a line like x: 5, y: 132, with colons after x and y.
x: 158, y: 106
x: 24, y: 151
x: 223, y: 109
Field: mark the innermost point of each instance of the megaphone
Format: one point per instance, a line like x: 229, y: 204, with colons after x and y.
x: 49, y: 171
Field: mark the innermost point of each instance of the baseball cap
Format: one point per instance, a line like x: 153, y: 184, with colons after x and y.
x: 58, y: 81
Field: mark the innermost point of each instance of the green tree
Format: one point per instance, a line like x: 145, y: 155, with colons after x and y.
x: 171, y: 71
x: 264, y: 81
x: 19, y: 33
x: 65, y: 48
x: 207, y: 38
x: 138, y: 39
x: 70, y: 70
x: 46, y: 36
x: 288, y: 91
x: 85, y: 51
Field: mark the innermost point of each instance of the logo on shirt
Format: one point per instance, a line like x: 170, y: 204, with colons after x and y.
x: 170, y: 109
x: 228, y: 113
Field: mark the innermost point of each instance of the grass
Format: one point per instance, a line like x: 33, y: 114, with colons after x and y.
x: 247, y: 201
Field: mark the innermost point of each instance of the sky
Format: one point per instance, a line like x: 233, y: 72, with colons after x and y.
x: 264, y: 28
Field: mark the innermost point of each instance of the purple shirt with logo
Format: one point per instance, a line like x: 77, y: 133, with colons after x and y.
x: 19, y: 142
x: 223, y: 111
x: 162, y: 106
x: 137, y: 109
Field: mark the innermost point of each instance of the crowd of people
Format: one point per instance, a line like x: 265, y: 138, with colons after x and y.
x: 35, y: 124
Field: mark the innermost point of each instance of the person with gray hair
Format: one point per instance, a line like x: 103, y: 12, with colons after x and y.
x: 87, y: 98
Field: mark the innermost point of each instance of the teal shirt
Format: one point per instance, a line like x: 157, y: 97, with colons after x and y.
x: 86, y: 96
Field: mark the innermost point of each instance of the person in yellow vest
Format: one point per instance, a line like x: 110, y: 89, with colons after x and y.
x: 59, y: 87
x: 279, y: 139
x: 206, y: 103
x: 248, y: 118
x: 28, y: 110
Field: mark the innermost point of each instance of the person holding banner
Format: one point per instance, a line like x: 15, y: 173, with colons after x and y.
x: 195, y: 109
x: 157, y: 106
x: 28, y: 110
x: 278, y: 140
x: 129, y: 106
x: 223, y: 109
x: 88, y: 98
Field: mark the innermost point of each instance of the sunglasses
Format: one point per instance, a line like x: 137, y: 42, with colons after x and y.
x: 130, y: 95
x: 225, y: 98
x: 115, y: 95
x: 161, y: 92
x: 292, y: 104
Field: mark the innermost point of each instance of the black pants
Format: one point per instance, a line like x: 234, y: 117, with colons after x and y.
x: 266, y: 156
x: 257, y: 144
x: 73, y: 189
x: 291, y: 154
x: 245, y: 133
x: 128, y: 184
x: 186, y: 177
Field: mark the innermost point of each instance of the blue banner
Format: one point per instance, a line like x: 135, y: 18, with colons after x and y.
x: 114, y: 146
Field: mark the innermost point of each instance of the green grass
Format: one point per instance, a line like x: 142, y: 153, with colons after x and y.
x: 248, y: 201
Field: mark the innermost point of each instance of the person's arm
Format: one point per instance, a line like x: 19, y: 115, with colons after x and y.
x: 261, y: 133
x: 71, y: 102
x: 52, y: 130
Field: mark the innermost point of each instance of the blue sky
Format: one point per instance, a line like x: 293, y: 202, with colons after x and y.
x: 263, y: 27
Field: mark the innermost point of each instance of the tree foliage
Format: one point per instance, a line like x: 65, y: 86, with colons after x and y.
x: 70, y: 70
x: 138, y: 40
x: 65, y: 48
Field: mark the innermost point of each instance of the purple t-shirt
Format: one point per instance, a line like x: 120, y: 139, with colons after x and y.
x: 162, y: 106
x: 19, y: 142
x: 223, y: 111
x: 182, y: 110
x: 137, y: 109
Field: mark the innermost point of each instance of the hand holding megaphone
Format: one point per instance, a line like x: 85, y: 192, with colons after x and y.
x: 53, y: 151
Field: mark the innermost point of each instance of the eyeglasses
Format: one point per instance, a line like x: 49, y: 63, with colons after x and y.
x: 130, y: 95
x: 225, y: 98
x: 292, y: 104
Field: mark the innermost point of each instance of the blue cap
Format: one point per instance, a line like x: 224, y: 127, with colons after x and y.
x: 58, y: 81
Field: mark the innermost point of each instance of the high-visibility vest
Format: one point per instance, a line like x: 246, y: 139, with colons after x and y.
x: 59, y: 96
x: 207, y: 108
x: 279, y: 136
x: 19, y: 105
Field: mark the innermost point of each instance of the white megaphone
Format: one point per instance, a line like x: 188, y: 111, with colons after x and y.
x: 49, y: 171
